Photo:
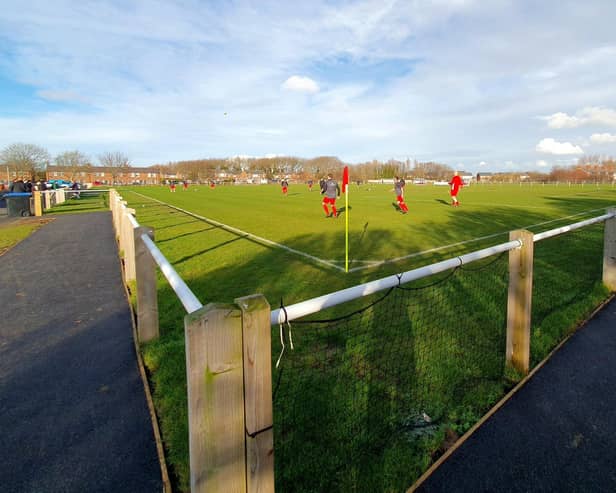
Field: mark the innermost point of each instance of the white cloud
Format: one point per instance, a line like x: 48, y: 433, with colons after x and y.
x: 586, y: 116
x: 562, y: 120
x: 541, y: 163
x: 445, y: 80
x: 551, y: 146
x: 300, y: 84
x: 482, y: 164
x: 603, y: 138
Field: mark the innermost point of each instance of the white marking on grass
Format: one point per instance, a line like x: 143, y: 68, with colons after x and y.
x: 370, y: 263
x: 245, y: 234
x: 376, y: 263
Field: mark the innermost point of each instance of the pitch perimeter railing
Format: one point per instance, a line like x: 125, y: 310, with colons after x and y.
x: 229, y: 346
x: 218, y: 419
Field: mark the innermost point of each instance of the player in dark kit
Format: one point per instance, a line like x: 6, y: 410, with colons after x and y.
x: 331, y: 190
x: 285, y: 186
x: 399, y: 188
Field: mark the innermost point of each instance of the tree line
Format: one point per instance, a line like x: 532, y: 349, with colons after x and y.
x: 31, y: 161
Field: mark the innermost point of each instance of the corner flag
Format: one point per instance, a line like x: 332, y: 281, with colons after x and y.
x: 345, y: 190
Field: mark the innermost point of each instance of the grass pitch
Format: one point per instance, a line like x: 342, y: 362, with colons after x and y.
x: 220, y: 265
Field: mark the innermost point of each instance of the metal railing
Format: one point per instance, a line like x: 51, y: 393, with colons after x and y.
x: 132, y: 239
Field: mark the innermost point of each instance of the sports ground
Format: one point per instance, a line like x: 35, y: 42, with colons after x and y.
x: 233, y: 241
x: 378, y: 233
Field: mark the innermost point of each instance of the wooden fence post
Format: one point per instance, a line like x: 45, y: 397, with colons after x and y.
x: 47, y: 201
x: 519, y: 301
x: 38, y: 206
x: 213, y: 336
x: 129, y: 245
x: 609, y: 252
x: 147, y: 291
x: 258, y: 393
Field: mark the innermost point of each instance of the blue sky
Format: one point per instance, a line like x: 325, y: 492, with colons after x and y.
x: 490, y: 85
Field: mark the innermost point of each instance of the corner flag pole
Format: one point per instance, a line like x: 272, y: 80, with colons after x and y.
x: 345, y: 188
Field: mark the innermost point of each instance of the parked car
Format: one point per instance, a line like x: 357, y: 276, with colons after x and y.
x: 59, y: 184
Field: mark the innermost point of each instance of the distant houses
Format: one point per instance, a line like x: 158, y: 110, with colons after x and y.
x: 484, y: 176
x: 102, y: 175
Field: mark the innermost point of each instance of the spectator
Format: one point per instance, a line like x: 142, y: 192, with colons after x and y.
x: 18, y: 186
x: 75, y: 187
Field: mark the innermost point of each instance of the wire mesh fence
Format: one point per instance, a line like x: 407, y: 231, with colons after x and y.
x: 367, y: 399
x: 363, y: 395
x: 566, y: 285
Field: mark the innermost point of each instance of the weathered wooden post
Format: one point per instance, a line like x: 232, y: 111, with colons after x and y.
x: 47, y: 200
x: 113, y: 204
x: 519, y: 301
x: 258, y: 393
x: 214, y: 370
x: 147, y: 292
x: 38, y: 206
x: 120, y: 231
x: 129, y: 244
x: 609, y: 252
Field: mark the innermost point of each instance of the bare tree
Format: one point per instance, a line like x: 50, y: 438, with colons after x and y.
x: 73, y: 162
x: 116, y: 162
x: 28, y: 160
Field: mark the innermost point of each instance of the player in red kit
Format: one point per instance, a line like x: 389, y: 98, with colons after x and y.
x: 455, y: 184
x: 399, y: 188
x: 331, y: 190
x: 285, y: 186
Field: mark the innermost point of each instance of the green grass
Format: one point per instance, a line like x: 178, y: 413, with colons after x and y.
x: 18, y: 229
x: 87, y: 203
x: 456, y: 351
x: 15, y: 231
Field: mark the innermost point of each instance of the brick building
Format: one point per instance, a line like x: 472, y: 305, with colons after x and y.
x: 102, y: 175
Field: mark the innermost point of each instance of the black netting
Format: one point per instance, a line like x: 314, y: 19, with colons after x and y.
x: 360, y: 395
x: 567, y: 273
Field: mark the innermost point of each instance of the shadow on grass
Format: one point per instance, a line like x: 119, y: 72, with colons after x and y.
x: 84, y: 204
x: 340, y: 387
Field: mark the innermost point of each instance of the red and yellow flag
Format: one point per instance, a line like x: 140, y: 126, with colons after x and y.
x: 345, y: 179
x: 345, y: 189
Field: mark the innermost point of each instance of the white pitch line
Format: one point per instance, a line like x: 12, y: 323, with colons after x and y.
x: 376, y: 263
x: 371, y: 263
x: 245, y: 234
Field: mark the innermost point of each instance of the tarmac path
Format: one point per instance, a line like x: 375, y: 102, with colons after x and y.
x: 73, y: 411
x: 557, y: 433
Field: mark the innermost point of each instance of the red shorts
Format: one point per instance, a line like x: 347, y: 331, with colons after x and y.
x: 400, y: 198
x: 327, y: 200
x: 454, y: 192
x: 284, y: 189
